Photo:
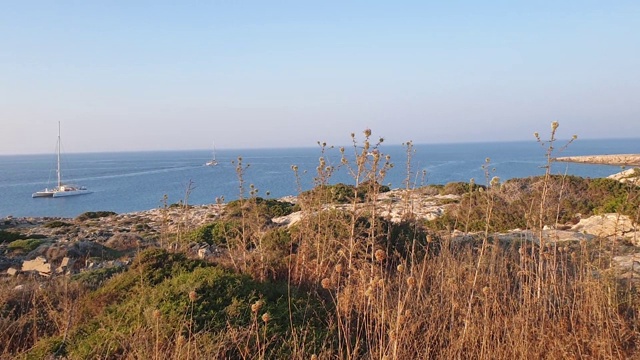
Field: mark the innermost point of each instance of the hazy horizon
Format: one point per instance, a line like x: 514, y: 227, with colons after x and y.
x: 559, y: 142
x: 156, y: 75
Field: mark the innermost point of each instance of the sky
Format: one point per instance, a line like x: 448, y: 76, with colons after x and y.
x: 171, y: 75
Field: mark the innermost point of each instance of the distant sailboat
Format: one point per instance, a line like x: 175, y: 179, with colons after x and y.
x: 62, y: 189
x: 213, y: 161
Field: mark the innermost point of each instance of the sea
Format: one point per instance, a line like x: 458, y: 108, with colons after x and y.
x: 126, y: 182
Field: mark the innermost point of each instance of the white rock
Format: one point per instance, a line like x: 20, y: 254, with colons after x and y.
x: 38, y: 264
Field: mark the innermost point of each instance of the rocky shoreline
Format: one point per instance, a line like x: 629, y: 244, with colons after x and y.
x: 69, y: 246
x: 611, y: 159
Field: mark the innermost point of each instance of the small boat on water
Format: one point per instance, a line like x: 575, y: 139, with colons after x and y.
x: 213, y: 161
x: 62, y: 189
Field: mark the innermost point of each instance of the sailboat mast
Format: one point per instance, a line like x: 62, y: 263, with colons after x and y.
x: 59, y: 146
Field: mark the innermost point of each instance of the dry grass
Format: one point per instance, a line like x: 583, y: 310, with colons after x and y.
x: 389, y: 291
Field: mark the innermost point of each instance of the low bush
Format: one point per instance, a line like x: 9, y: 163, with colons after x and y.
x: 342, y: 193
x: 9, y: 236
x: 94, y: 215
x: 56, y: 224
x: 186, y: 303
x: 24, y: 246
x: 267, y: 208
x: 218, y: 233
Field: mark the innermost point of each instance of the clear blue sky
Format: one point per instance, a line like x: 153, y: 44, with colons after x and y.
x: 153, y: 75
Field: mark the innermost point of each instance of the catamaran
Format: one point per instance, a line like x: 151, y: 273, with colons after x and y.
x: 213, y: 161
x: 62, y: 189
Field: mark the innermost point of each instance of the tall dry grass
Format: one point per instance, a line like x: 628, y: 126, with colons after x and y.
x: 391, y: 290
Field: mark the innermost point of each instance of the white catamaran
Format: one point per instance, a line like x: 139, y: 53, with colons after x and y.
x: 62, y: 189
x: 213, y: 161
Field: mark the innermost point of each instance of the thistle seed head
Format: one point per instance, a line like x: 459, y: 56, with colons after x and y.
x: 266, y: 317
x: 256, y: 306
x: 326, y: 283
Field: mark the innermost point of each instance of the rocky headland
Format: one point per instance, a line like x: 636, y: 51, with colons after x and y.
x: 628, y: 160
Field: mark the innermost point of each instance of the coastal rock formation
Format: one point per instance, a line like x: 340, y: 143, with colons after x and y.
x: 627, y: 160
x: 610, y: 226
x: 39, y: 265
x: 627, y: 176
x: 614, y: 159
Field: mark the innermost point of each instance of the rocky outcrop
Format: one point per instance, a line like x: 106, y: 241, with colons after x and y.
x: 125, y: 242
x: 39, y: 265
x: 610, y: 226
x: 614, y: 159
x: 628, y: 267
x: 627, y: 176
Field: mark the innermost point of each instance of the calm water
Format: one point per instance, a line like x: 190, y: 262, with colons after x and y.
x: 127, y: 182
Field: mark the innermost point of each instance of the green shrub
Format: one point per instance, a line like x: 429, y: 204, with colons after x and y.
x: 222, y: 300
x: 218, y: 233
x: 9, y: 236
x: 93, y: 279
x: 460, y: 188
x: 277, y: 246
x: 47, y: 348
x: 267, y: 208
x: 94, y: 215
x: 341, y: 193
x: 24, y: 246
x: 56, y: 224
x: 516, y: 204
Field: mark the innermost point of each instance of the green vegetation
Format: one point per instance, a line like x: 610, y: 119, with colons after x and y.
x: 9, y: 236
x: 568, y: 197
x: 94, y: 215
x: 268, y: 208
x: 344, y: 194
x: 218, y: 233
x: 24, y: 246
x: 57, y: 224
x: 185, y: 304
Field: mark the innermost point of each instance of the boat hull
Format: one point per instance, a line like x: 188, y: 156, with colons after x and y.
x: 62, y: 191
x: 43, y: 193
x: 70, y: 193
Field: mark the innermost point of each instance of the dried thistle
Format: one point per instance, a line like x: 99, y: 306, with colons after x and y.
x: 256, y: 306
x: 266, y: 317
x: 326, y: 283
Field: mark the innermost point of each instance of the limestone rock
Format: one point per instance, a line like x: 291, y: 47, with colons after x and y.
x: 288, y: 220
x: 609, y: 226
x: 627, y: 176
x: 613, y: 159
x: 38, y: 264
x: 628, y: 266
x: 203, y: 253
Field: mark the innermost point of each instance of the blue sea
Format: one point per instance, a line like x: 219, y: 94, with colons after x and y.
x: 134, y: 181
